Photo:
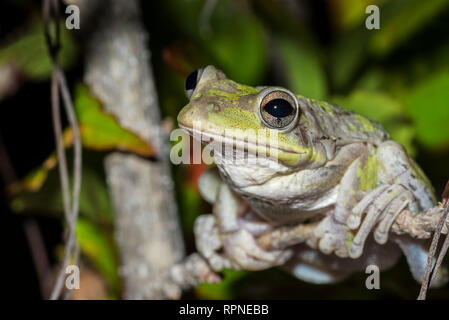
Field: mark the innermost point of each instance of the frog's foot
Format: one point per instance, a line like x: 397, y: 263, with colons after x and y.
x: 208, y: 242
x: 381, y: 207
x: 241, y: 247
x: 237, y: 249
x: 330, y: 236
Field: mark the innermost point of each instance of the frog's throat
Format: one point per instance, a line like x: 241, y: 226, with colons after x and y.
x: 249, y: 145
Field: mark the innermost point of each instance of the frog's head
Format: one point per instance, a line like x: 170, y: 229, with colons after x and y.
x: 232, y: 113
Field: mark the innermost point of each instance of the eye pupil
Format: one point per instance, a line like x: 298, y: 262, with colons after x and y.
x: 192, y: 80
x: 279, y: 108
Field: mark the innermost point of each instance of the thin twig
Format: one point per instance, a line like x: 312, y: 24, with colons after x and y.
x: 49, y: 7
x: 62, y: 161
x: 440, y: 257
x: 73, y: 216
x: 433, y: 248
x: 63, y: 176
x: 57, y: 289
x: 77, y: 168
x: 50, y: 10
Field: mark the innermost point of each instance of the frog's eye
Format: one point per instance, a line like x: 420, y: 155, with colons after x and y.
x: 192, y: 81
x: 278, y: 109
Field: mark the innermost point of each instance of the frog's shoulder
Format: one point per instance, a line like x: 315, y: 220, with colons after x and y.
x: 342, y: 125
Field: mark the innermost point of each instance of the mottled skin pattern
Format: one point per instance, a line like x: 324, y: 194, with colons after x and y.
x: 335, y: 169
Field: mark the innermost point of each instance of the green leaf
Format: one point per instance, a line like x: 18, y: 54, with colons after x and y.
x: 34, y: 180
x: 101, y: 130
x: 30, y: 54
x: 428, y: 105
x: 384, y: 109
x: 95, y: 244
x: 302, y: 68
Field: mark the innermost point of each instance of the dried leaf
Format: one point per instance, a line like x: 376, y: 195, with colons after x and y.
x: 101, y: 130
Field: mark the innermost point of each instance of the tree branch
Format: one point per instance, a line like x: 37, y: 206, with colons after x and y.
x: 118, y: 71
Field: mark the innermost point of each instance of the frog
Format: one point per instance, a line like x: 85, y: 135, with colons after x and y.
x: 328, y: 168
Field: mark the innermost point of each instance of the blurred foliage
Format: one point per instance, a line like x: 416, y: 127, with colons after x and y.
x: 397, y: 75
x: 94, y: 200
x: 97, y: 245
x: 428, y: 106
x: 401, y: 20
x: 40, y: 190
x: 242, y: 40
x: 302, y: 68
x: 94, y: 228
x: 28, y: 51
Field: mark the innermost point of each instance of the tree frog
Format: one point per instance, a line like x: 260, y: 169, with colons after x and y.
x: 330, y: 168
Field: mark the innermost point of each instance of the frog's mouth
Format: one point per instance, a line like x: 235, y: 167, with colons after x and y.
x: 258, y: 147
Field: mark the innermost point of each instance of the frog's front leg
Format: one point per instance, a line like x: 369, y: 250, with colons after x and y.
x: 371, y: 193
x: 403, y: 185
x: 399, y: 187
x: 225, y: 238
x: 380, y: 207
x: 332, y: 233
